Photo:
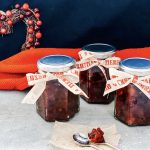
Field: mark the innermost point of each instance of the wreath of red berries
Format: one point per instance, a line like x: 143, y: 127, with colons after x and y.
x: 29, y: 17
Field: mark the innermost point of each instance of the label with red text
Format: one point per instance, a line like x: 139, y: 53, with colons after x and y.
x: 88, y: 61
x: 120, y: 79
x: 67, y: 79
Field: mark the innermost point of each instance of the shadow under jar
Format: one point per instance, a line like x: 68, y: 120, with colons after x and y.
x: 132, y: 106
x: 93, y: 80
x: 57, y: 102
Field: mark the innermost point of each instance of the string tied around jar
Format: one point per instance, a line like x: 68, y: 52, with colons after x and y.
x: 120, y: 79
x: 38, y: 80
x: 88, y: 60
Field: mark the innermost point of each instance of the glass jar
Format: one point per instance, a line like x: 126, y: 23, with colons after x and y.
x: 57, y: 102
x: 132, y: 106
x: 93, y: 80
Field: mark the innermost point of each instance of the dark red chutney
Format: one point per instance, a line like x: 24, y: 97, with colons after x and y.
x: 93, y: 82
x: 57, y: 103
x: 132, y: 106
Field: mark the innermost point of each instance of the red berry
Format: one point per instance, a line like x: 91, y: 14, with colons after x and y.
x: 30, y: 22
x: 37, y: 15
x: 3, y: 31
x: 30, y: 30
x: 39, y: 22
x: 8, y: 13
x: 10, y: 23
x: 25, y: 6
x: 38, y: 35
x: 30, y: 40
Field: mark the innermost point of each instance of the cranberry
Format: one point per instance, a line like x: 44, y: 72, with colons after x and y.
x: 30, y: 30
x: 10, y: 22
x: 3, y: 31
x: 38, y: 35
x: 39, y: 23
x: 25, y: 6
x: 30, y: 22
x: 30, y: 40
x: 8, y: 13
x: 37, y: 15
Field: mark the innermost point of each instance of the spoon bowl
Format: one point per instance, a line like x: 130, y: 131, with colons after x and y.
x: 83, y: 141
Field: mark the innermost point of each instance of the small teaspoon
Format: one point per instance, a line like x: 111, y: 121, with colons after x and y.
x: 83, y: 141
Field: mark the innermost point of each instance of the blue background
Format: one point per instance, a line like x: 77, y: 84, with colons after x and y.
x: 74, y: 23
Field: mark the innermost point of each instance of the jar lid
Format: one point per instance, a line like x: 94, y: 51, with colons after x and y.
x: 100, y: 50
x: 136, y: 66
x: 56, y: 63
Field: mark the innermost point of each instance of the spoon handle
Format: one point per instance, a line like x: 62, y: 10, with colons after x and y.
x: 95, y: 147
x: 114, y: 147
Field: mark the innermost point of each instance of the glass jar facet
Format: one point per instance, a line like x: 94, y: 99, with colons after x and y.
x: 57, y: 102
x: 132, y: 106
x: 93, y: 80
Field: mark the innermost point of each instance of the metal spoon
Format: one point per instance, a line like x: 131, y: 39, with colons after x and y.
x: 83, y: 140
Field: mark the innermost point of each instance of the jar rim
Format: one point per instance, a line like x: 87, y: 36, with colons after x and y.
x: 136, y: 66
x: 56, y: 63
x: 100, y: 50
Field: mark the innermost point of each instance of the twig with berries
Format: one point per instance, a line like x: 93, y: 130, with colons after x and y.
x: 30, y: 17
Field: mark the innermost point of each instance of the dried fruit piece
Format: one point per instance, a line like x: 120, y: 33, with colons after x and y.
x: 96, y: 136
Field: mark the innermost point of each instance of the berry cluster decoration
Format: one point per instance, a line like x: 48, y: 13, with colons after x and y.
x: 96, y: 136
x: 30, y: 17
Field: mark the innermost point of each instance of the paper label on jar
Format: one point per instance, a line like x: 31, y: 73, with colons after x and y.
x: 67, y: 79
x: 72, y: 75
x: 88, y: 61
x: 121, y: 79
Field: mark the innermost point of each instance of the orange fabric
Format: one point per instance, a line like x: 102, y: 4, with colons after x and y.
x: 14, y: 69
x: 134, y: 52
